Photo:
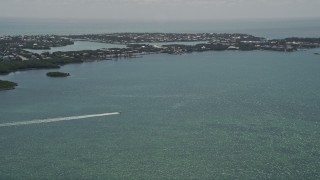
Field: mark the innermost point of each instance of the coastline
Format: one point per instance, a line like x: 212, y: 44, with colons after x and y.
x: 14, y: 57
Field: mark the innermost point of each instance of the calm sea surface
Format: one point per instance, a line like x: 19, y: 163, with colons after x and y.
x: 203, y: 115
x: 212, y: 115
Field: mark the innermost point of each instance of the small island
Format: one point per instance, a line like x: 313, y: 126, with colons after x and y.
x: 7, y: 85
x: 57, y: 74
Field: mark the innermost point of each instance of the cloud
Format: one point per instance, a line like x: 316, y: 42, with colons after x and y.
x: 160, y: 2
x: 164, y: 1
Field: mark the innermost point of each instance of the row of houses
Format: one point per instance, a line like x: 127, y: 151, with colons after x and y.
x: 8, y: 58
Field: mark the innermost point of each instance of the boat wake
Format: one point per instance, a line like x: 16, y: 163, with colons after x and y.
x: 51, y: 120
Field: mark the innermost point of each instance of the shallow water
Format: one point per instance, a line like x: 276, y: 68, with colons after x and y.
x: 79, y: 46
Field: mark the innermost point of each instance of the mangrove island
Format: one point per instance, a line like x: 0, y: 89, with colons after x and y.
x: 7, y: 85
x: 57, y: 74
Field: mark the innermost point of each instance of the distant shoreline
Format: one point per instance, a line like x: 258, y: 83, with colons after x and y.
x: 14, y: 57
x: 266, y: 27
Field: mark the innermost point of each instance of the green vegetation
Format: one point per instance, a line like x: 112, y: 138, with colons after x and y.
x: 6, y: 85
x: 12, y: 66
x: 14, y: 57
x: 57, y: 74
x: 7, y: 67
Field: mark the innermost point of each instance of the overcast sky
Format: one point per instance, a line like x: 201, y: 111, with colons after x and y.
x: 160, y: 9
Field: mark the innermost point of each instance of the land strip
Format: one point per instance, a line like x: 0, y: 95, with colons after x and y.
x: 15, y: 57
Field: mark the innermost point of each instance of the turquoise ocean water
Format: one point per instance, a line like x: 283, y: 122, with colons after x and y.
x: 212, y: 115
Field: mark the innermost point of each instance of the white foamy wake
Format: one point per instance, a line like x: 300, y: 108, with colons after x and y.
x: 40, y: 121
